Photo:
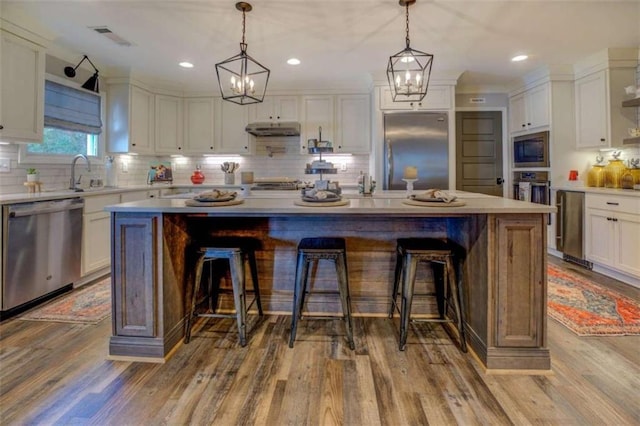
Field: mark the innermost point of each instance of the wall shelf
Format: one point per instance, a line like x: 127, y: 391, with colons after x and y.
x: 631, y: 102
x: 631, y: 141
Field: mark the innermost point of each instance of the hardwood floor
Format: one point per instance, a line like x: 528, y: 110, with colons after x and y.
x: 56, y: 373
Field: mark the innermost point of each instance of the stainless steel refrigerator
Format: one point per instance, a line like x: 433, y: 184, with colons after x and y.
x: 416, y: 139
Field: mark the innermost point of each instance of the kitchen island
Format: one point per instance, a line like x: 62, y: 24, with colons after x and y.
x: 504, y: 271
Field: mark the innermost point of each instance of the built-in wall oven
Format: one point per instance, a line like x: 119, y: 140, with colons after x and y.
x: 531, y: 150
x: 532, y: 186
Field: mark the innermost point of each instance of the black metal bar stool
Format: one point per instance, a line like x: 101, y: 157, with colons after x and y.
x: 411, y: 251
x: 313, y: 250
x: 236, y: 251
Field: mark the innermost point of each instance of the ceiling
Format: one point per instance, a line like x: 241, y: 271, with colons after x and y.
x: 340, y: 43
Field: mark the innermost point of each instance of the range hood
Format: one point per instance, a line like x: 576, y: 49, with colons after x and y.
x: 290, y: 128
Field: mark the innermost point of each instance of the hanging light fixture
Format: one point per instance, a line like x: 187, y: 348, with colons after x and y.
x: 241, y: 78
x: 409, y: 70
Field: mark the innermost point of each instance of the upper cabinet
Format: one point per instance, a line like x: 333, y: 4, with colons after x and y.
x: 168, y: 129
x: 317, y: 112
x: 275, y: 109
x: 529, y: 110
x: 231, y: 122
x: 601, y: 121
x: 22, y: 66
x: 353, y: 115
x: 437, y: 98
x: 130, y: 119
x: 199, y: 116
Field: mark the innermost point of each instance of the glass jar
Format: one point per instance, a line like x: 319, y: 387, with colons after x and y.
x: 613, y: 173
x: 197, y: 177
x: 626, y: 180
x: 595, y: 177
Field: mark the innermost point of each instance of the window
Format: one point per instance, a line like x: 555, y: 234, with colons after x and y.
x: 72, y: 125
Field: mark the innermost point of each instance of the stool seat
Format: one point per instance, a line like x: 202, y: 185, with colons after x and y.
x: 236, y: 251
x: 410, y: 252
x: 313, y: 250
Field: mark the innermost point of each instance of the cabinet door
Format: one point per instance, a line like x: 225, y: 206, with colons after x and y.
x: 592, y: 130
x: 627, y: 240
x: 232, y: 136
x: 599, y: 237
x: 286, y: 108
x: 168, y: 129
x: 199, y: 125
x: 517, y: 113
x: 96, y: 242
x: 22, y: 87
x: 317, y: 111
x: 354, y: 124
x: 126, y: 197
x: 537, y: 106
x: 141, y: 121
x: 263, y: 111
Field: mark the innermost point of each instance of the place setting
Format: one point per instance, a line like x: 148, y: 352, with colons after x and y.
x: 433, y: 198
x: 215, y: 198
x: 320, y: 198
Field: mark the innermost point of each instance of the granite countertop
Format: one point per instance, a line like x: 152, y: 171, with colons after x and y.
x: 383, y: 203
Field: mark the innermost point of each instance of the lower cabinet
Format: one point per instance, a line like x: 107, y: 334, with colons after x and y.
x: 612, y: 232
x: 96, y: 233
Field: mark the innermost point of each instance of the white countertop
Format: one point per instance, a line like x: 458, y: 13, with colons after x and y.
x: 579, y: 187
x: 383, y: 203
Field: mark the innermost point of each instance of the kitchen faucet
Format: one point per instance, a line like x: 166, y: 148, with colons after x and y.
x: 74, y: 183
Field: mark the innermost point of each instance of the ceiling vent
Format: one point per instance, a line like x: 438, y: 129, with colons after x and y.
x: 111, y: 36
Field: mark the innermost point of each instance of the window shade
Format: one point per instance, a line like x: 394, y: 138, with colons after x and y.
x: 72, y: 109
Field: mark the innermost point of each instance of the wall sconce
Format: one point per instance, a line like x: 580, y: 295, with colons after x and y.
x: 92, y: 83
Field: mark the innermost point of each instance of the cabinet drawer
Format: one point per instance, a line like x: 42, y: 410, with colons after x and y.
x: 613, y: 203
x: 98, y: 203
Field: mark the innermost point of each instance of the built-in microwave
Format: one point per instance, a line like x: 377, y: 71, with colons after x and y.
x: 531, y: 150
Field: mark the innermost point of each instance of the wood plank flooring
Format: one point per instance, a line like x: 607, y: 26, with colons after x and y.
x: 56, y: 373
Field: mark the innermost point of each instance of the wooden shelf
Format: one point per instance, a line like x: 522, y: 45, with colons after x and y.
x: 631, y: 141
x: 631, y: 103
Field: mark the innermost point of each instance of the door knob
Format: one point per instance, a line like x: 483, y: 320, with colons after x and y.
x: 499, y: 181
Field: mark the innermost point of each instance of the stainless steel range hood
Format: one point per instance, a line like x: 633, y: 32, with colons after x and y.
x: 290, y: 128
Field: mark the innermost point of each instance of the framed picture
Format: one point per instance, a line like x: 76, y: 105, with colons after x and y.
x: 160, y: 172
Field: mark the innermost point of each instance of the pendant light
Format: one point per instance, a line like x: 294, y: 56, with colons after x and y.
x: 242, y: 79
x: 409, y: 70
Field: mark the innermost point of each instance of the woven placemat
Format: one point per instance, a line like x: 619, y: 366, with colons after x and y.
x: 194, y: 203
x: 321, y: 204
x: 433, y: 204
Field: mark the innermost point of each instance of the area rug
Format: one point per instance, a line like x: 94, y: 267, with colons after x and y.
x: 88, y: 305
x: 587, y: 308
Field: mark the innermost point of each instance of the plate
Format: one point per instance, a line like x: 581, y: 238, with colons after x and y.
x: 323, y: 200
x: 428, y: 200
x: 214, y: 200
x: 194, y: 203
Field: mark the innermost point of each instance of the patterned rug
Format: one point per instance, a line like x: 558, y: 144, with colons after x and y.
x: 88, y: 305
x: 588, y: 309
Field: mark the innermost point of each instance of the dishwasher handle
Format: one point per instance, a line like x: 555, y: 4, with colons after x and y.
x: 49, y: 208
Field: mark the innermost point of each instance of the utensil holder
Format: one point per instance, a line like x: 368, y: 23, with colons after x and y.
x: 229, y: 179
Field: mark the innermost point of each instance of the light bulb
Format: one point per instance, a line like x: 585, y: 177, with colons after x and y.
x: 398, y: 81
x: 407, y: 77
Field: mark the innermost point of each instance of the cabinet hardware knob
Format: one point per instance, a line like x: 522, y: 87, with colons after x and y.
x: 1, y: 127
x: 612, y: 203
x: 179, y: 147
x: 602, y: 139
x: 528, y: 124
x: 133, y: 144
x: 278, y: 117
x: 210, y: 147
x: 524, y: 125
x: 614, y: 219
x: 245, y: 147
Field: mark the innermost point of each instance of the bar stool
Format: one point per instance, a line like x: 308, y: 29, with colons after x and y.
x: 236, y: 251
x: 313, y: 250
x: 411, y: 251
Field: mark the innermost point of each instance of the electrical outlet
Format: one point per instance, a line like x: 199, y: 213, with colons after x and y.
x: 343, y: 167
x: 5, y: 165
x: 124, y: 167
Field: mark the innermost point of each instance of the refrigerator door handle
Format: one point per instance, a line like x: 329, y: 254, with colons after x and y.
x: 389, y: 164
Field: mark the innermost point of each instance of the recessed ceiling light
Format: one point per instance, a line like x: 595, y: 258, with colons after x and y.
x: 519, y: 58
x: 186, y: 64
x: 293, y: 61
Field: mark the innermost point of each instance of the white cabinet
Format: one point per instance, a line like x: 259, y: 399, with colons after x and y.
x: 231, y: 121
x: 130, y: 119
x: 437, y: 98
x: 126, y: 197
x: 275, y: 109
x: 317, y: 111
x: 530, y: 109
x: 601, y: 122
x: 168, y: 129
x: 199, y: 119
x: 612, y: 233
x: 353, y: 129
x: 96, y: 233
x: 22, y: 66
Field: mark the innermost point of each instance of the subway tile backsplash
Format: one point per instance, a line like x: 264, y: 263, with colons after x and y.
x: 285, y: 160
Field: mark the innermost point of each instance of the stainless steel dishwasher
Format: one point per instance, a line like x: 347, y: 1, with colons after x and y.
x: 570, y: 226
x: 41, y: 249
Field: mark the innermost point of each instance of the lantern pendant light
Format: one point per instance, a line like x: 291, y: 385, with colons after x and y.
x: 409, y: 70
x: 241, y: 78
